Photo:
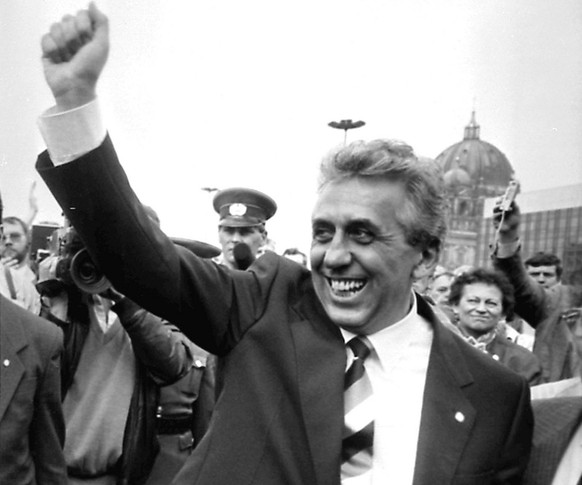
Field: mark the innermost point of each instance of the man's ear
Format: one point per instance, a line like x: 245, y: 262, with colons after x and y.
x: 429, y: 259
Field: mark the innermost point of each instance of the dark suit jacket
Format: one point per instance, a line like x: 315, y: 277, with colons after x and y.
x: 279, y: 417
x: 516, y: 358
x: 32, y: 430
x: 554, y: 345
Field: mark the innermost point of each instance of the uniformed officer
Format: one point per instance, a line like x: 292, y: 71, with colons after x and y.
x: 243, y: 213
x: 185, y: 407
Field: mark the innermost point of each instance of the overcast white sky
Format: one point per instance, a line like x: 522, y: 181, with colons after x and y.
x: 226, y: 93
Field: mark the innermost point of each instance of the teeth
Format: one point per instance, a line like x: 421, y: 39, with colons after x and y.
x: 342, y: 286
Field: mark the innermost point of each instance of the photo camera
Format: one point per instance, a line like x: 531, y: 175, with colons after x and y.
x: 70, y: 266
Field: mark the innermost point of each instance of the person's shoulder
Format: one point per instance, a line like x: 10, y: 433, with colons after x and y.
x: 287, y: 276
x: 32, y: 328
x: 515, y: 348
x: 486, y: 369
x: 273, y: 262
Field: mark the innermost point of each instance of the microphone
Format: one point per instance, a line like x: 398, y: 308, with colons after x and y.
x: 243, y: 256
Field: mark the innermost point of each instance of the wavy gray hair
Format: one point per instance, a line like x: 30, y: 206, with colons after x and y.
x: 424, y: 216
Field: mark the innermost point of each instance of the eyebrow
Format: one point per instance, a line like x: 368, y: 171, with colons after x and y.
x: 363, y: 221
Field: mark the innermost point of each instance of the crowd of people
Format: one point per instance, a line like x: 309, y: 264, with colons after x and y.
x: 131, y: 357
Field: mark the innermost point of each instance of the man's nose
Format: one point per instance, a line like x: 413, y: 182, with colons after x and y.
x: 338, y: 253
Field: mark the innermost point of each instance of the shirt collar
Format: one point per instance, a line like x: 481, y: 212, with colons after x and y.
x: 394, y: 337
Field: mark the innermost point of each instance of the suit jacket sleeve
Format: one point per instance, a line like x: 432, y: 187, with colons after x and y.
x: 157, y: 344
x: 530, y: 298
x: 96, y: 196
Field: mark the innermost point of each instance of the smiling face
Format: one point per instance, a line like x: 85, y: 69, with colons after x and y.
x: 480, y: 308
x: 362, y: 265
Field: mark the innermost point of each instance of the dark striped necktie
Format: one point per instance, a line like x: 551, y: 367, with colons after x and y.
x: 358, y: 437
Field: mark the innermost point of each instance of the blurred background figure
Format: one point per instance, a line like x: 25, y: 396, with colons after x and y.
x: 459, y: 270
x: 439, y: 286
x: 540, y: 299
x: 480, y: 300
x: 18, y: 270
x: 438, y: 290
x: 296, y: 255
x: 545, y: 268
x: 18, y: 279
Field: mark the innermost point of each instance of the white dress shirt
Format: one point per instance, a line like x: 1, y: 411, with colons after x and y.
x: 397, y: 370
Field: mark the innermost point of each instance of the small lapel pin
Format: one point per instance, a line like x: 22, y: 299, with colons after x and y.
x: 459, y: 416
x: 6, y: 363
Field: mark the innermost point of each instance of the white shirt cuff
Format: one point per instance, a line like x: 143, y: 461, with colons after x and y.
x: 507, y: 250
x: 70, y: 134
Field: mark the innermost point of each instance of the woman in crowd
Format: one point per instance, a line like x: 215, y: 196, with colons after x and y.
x: 481, y: 299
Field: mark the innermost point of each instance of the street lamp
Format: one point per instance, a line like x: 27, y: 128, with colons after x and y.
x: 210, y: 190
x: 346, y: 125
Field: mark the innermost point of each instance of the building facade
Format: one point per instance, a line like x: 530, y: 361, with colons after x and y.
x: 474, y: 170
x: 551, y: 222
x: 476, y: 173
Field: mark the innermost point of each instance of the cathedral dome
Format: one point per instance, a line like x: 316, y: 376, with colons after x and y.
x: 484, y: 164
x: 457, y: 177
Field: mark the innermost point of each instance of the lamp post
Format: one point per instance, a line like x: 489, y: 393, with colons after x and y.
x: 210, y: 190
x: 346, y: 125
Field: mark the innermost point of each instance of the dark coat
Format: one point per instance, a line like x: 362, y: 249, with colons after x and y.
x: 279, y: 417
x: 554, y: 345
x: 32, y: 429
x: 516, y: 358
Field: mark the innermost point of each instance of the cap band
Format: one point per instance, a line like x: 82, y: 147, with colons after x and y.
x: 239, y: 214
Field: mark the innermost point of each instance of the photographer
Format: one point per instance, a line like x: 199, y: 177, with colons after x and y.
x: 116, y: 354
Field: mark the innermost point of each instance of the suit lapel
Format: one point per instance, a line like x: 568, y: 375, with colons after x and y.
x: 12, y: 340
x: 321, y: 360
x: 447, y: 415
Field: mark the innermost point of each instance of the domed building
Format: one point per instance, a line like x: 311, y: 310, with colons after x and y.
x: 473, y: 171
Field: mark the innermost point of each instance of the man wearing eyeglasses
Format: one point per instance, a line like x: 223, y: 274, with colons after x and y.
x: 17, y: 280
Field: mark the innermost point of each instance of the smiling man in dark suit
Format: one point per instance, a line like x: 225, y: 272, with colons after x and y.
x: 417, y: 405
x: 32, y: 429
